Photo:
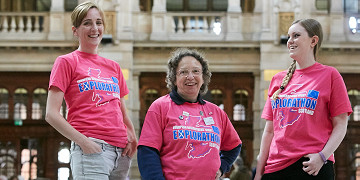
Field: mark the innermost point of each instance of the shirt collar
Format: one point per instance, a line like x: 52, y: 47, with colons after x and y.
x: 179, y: 100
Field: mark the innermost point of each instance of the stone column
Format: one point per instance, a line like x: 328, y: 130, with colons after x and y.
x: 337, y: 21
x: 258, y: 6
x: 312, y: 6
x: 234, y: 6
x: 234, y: 20
x: 135, y: 5
x: 159, y: 6
x: 257, y: 121
x: 159, y: 24
x: 124, y: 21
x: 266, y: 34
x: 57, y: 21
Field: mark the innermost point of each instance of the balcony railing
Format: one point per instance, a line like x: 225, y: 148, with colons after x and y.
x: 162, y: 26
x: 185, y: 26
x: 24, y: 26
x: 201, y: 25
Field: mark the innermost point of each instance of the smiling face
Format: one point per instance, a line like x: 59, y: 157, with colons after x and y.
x: 90, y: 31
x: 299, y: 42
x: 189, y: 78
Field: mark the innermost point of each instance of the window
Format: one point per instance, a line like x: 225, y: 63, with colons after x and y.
x: 351, y: 6
x: 354, y: 24
x: 43, y: 5
x: 355, y: 161
x: 322, y: 5
x: 198, y: 5
x: 39, y: 103
x: 219, y: 5
x: 4, y: 103
x: 357, y: 113
x: 64, y: 160
x: 31, y: 158
x: 239, y: 112
x: 64, y: 110
x: 174, y: 5
x: 7, y: 158
x: 354, y: 96
x: 20, y: 101
x: 146, y: 5
x: 247, y: 6
x: 217, y: 98
x: 241, y: 103
x: 70, y: 5
x: 150, y: 96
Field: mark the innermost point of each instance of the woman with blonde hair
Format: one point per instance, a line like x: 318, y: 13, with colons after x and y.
x: 103, y: 137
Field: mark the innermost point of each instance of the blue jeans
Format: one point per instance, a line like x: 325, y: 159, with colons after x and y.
x: 105, y: 165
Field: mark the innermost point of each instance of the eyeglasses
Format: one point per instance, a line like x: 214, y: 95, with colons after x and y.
x: 186, y: 72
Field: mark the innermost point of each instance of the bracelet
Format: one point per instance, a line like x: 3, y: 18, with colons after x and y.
x: 323, y: 157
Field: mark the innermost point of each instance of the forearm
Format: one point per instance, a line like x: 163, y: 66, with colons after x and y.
x: 64, y: 128
x: 264, y: 153
x: 56, y: 120
x: 264, y: 147
x: 128, y: 123
x: 337, y: 135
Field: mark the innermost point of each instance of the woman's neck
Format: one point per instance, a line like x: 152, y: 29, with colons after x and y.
x: 305, y: 61
x: 188, y: 98
x: 90, y: 50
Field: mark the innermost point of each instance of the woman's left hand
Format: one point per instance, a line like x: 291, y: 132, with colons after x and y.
x: 218, y: 175
x: 131, y: 146
x: 314, y: 164
x: 130, y: 149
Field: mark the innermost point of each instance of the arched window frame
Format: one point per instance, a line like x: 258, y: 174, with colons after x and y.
x: 354, y: 96
x: 39, y: 103
x: 8, y: 158
x: 150, y: 95
x: 355, y: 160
x: 4, y: 103
x: 240, y: 108
x: 64, y: 110
x: 64, y: 160
x: 217, y: 97
x: 20, y: 103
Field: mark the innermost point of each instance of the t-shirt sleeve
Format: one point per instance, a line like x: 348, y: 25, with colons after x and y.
x: 151, y: 133
x: 339, y: 99
x: 122, y: 84
x: 267, y: 111
x: 230, y: 138
x: 61, y: 74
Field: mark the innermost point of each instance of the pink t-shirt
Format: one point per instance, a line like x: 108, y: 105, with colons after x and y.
x: 93, y: 86
x: 302, y: 114
x: 189, y: 137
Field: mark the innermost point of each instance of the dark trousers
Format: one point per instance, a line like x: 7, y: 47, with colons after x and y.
x: 295, y: 172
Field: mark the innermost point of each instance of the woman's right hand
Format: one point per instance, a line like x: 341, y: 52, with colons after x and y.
x: 90, y: 147
x: 257, y: 176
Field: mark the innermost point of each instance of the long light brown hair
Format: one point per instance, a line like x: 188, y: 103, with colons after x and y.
x: 313, y: 28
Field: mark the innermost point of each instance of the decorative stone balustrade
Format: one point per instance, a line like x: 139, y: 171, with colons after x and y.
x: 204, y: 23
x: 165, y: 26
x: 25, y: 26
x: 190, y: 26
